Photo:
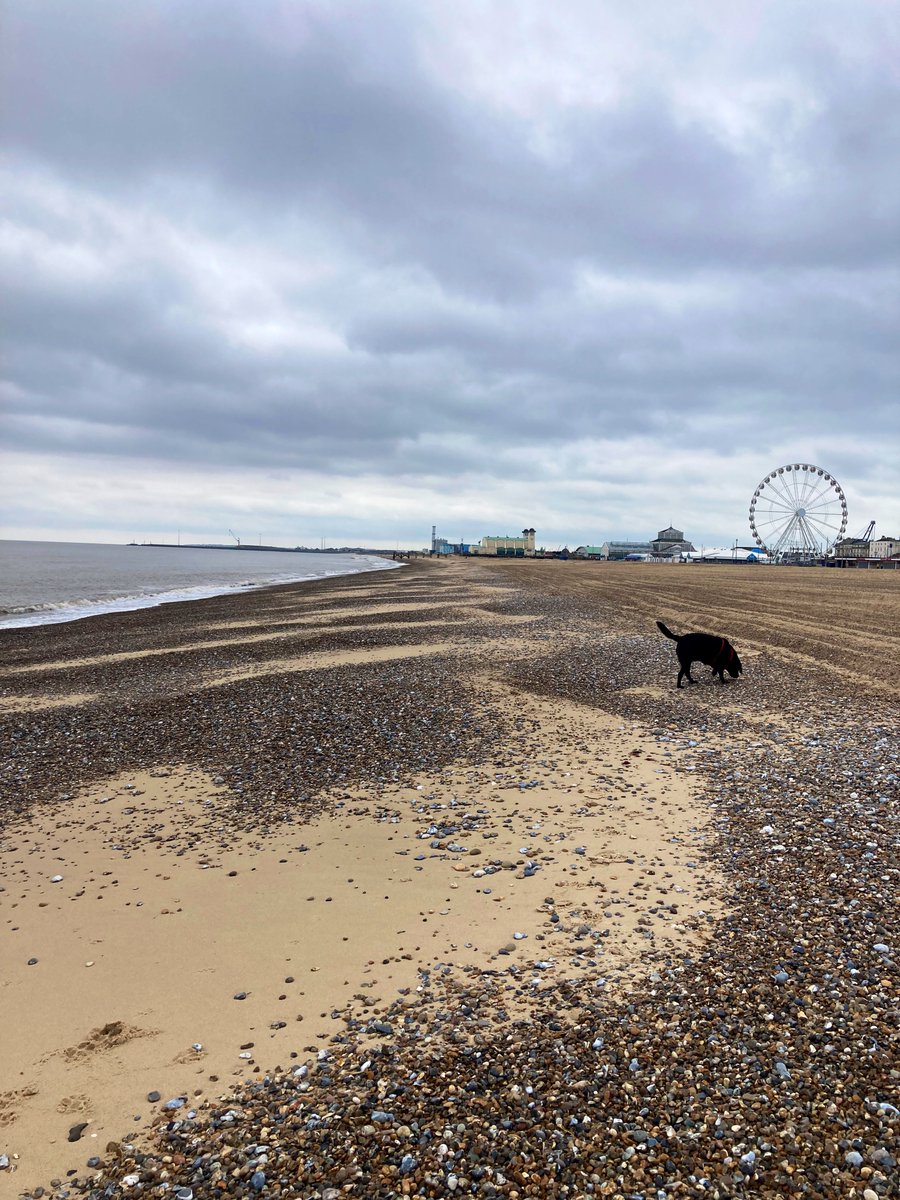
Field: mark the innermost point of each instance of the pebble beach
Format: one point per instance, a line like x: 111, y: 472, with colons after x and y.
x: 428, y: 882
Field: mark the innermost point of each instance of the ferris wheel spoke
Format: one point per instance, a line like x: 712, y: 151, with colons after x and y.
x: 771, y: 489
x: 823, y: 534
x: 801, y: 540
x: 799, y: 482
x: 775, y: 522
x: 781, y: 489
x: 784, y: 538
x: 830, y: 519
x: 828, y: 531
x: 779, y: 503
x: 811, y: 542
x: 810, y: 486
x: 828, y: 501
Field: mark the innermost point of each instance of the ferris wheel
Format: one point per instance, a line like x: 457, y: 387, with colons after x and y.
x: 798, y: 512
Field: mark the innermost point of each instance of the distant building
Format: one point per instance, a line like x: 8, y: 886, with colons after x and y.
x: 507, y: 547
x: 588, y: 552
x: 620, y: 550
x: 851, y: 548
x: 669, y: 543
x: 884, y: 548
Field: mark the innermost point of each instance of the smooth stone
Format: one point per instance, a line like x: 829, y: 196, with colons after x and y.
x: 882, y: 1157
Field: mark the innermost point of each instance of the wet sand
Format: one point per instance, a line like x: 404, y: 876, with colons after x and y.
x: 342, y: 802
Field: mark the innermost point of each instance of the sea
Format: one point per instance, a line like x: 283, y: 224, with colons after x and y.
x: 43, y: 583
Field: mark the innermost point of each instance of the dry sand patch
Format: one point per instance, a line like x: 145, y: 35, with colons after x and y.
x: 321, y: 662
x: 14, y: 704
x: 152, y: 935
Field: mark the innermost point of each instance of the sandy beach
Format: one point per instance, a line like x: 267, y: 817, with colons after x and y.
x: 433, y: 881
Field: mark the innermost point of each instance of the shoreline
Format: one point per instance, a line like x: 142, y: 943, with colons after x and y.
x: 82, y: 609
x: 478, y: 717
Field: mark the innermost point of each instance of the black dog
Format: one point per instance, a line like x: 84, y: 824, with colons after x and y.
x: 716, y: 652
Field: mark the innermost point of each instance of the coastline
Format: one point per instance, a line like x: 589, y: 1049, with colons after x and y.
x: 67, y: 587
x: 226, y: 786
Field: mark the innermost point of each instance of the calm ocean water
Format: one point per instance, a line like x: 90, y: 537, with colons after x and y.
x: 46, y: 582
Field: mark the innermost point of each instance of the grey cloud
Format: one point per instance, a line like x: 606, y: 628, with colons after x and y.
x: 325, y: 128
x: 641, y: 274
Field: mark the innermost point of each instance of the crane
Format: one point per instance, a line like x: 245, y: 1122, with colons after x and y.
x: 869, y: 528
x: 235, y: 536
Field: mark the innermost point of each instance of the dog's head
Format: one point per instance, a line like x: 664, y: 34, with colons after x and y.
x: 733, y: 666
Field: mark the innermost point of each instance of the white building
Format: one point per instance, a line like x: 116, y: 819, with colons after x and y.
x: 884, y: 547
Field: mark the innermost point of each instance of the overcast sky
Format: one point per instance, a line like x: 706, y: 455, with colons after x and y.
x: 313, y: 269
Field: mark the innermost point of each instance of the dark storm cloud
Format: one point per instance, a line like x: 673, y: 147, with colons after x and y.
x: 276, y: 236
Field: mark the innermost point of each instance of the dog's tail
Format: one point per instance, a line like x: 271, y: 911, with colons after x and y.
x: 667, y: 632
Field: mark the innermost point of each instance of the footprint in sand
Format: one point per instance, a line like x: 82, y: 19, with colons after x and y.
x: 78, y: 1103
x: 104, y: 1037
x: 11, y: 1102
x: 188, y: 1056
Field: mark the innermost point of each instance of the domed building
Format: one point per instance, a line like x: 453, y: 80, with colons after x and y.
x: 670, y: 542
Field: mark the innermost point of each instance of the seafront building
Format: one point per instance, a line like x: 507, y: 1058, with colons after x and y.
x: 884, y: 549
x: 507, y: 547
x: 613, y: 551
x: 883, y: 552
x: 496, y: 545
x: 851, y: 548
x: 669, y: 543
